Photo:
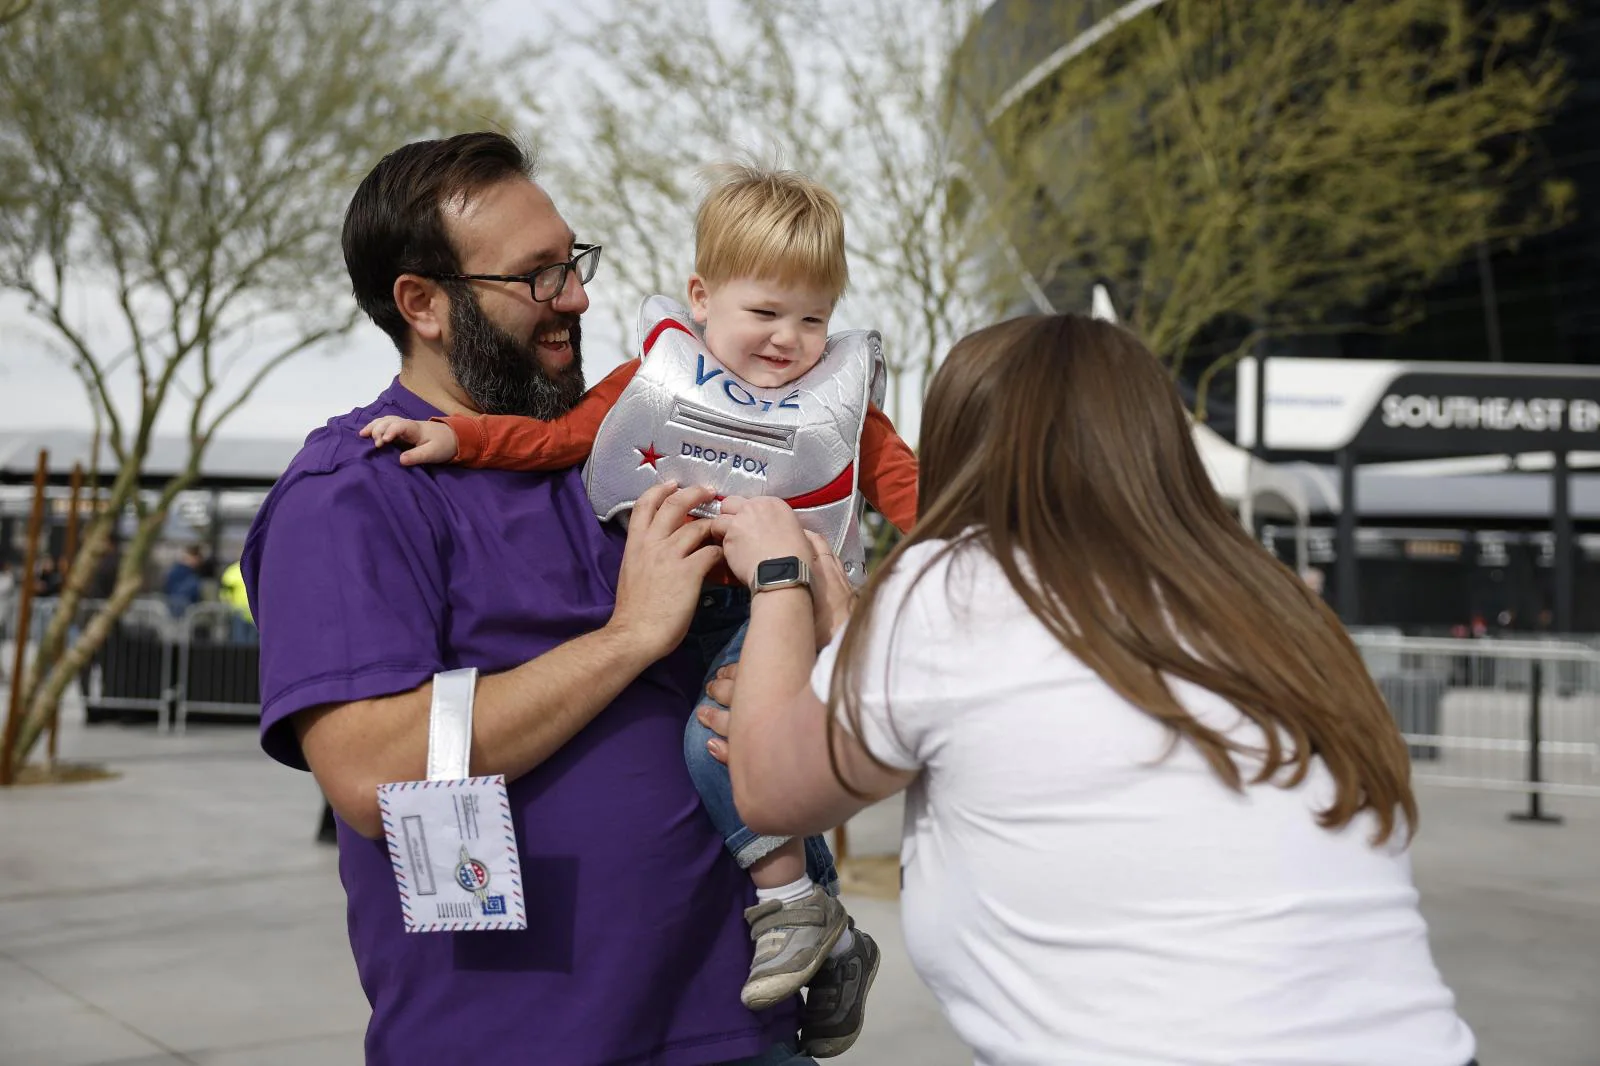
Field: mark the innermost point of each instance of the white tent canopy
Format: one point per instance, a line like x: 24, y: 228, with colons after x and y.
x: 1253, y: 487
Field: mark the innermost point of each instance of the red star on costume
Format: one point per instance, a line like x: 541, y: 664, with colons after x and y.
x: 650, y: 455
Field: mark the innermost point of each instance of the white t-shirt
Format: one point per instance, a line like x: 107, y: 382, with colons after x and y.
x: 1072, y: 897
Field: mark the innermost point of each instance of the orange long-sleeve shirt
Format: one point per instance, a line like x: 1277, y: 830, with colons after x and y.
x: 511, y: 442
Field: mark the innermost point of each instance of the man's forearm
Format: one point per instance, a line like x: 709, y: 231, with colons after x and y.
x: 520, y: 718
x: 523, y: 716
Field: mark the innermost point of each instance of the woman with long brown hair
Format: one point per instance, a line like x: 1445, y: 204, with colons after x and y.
x: 1157, y: 810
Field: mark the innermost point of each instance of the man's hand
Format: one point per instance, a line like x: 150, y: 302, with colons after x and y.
x: 716, y: 718
x: 663, y: 566
x: 431, y: 442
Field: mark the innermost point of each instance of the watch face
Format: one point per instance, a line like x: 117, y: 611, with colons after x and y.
x: 774, y: 570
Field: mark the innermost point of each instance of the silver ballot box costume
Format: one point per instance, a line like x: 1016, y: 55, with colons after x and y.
x: 687, y: 418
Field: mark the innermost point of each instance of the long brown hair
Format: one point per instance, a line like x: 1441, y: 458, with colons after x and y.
x: 1058, y: 444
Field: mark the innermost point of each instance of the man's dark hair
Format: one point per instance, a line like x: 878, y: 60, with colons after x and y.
x: 395, y: 224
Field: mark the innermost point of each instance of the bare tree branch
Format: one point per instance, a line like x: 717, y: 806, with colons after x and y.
x: 773, y: 81
x: 12, y: 10
x: 184, y: 166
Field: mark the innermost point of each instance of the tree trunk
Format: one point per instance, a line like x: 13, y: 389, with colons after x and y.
x: 43, y: 695
x: 95, y: 545
x: 48, y: 695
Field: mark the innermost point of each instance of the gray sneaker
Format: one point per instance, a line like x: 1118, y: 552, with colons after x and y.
x: 836, y: 1001
x: 792, y: 942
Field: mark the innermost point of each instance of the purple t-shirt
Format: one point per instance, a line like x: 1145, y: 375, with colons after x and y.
x: 367, y: 578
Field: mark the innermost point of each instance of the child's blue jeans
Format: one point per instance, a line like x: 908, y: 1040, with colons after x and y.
x: 717, y: 633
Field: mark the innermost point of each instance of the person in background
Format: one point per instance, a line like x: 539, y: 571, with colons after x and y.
x: 47, y: 581
x: 182, y: 585
x: 231, y: 591
x: 1316, y: 580
x: 103, y: 582
x: 8, y: 597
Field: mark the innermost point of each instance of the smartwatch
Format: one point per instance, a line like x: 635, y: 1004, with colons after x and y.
x: 786, y: 572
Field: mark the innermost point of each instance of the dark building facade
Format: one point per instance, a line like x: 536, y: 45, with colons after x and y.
x: 1537, y: 302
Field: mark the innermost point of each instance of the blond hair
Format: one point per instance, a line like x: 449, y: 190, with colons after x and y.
x: 769, y: 225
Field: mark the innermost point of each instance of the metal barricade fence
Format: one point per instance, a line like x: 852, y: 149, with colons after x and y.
x: 207, y: 661
x: 132, y: 670
x: 1512, y: 715
x: 219, y: 662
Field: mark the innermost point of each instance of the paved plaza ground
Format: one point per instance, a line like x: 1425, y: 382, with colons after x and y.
x: 180, y: 913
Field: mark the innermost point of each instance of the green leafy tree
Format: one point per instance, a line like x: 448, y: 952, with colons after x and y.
x: 1288, y: 167
x: 185, y: 164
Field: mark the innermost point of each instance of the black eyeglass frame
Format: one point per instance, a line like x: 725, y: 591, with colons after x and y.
x: 531, y: 279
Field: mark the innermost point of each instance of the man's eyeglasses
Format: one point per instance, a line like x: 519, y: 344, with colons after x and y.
x: 547, y: 282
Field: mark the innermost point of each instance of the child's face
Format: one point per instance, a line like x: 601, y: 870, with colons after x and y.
x: 767, y: 333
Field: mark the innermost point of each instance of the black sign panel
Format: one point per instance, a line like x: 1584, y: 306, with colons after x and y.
x: 1427, y: 414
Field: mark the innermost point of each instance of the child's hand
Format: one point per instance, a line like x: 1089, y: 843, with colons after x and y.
x: 431, y: 442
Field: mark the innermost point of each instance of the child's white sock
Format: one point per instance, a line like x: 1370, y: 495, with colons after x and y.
x: 842, y: 945
x: 793, y: 892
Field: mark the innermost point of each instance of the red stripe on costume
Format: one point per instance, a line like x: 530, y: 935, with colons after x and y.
x: 660, y: 328
x: 834, y: 491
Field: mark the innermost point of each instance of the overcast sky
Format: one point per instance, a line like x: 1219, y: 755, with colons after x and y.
x: 39, y: 391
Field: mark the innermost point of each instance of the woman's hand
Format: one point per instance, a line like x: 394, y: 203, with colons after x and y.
x: 763, y: 527
x: 757, y: 528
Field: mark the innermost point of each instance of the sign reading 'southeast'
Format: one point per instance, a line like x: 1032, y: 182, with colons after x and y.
x: 1423, y: 409
x: 1502, y: 413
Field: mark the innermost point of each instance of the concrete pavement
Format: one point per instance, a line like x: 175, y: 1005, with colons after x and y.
x: 181, y: 914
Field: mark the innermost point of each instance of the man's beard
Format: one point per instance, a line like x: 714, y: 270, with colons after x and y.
x: 502, y: 375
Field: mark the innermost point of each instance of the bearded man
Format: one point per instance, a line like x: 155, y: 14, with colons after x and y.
x: 367, y: 578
